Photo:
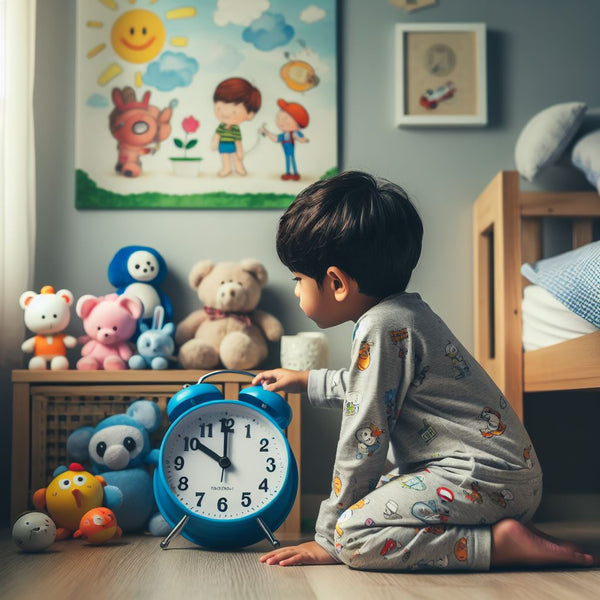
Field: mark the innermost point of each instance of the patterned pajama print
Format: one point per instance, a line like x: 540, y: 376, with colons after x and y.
x: 462, y: 458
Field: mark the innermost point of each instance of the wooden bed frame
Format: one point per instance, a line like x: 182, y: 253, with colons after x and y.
x: 507, y: 227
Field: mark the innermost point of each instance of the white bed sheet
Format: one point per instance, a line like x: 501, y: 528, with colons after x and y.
x: 546, y: 321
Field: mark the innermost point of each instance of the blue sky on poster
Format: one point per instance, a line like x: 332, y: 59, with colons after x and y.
x: 223, y: 35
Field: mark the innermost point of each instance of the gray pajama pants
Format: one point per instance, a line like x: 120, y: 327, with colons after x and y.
x: 430, y: 519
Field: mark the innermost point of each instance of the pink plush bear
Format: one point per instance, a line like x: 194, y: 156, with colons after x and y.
x: 109, y: 321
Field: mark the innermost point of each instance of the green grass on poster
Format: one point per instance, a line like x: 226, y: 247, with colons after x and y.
x: 89, y: 195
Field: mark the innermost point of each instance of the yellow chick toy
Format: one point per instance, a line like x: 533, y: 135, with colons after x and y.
x: 71, y: 494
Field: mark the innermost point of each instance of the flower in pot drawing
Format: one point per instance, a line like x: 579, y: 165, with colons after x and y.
x: 186, y: 165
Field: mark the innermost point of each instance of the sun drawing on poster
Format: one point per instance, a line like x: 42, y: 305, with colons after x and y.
x: 137, y: 36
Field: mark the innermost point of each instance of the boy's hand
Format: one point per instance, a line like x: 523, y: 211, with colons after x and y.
x: 282, y: 380
x: 309, y: 553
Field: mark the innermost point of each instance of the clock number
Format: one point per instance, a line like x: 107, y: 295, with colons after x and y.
x: 246, y: 501
x: 179, y: 463
x: 192, y: 443
x: 206, y: 430
x: 263, y: 485
x: 183, y: 484
x: 270, y: 464
x: 264, y: 445
x: 227, y: 425
x: 222, y: 504
x: 200, y: 496
x: 248, y: 431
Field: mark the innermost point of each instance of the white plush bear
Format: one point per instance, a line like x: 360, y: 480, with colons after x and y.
x: 47, y: 314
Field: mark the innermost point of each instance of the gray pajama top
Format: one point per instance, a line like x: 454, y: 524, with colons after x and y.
x: 414, y: 395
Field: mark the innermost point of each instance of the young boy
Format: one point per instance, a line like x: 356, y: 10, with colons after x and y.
x: 235, y: 101
x: 291, y: 118
x: 466, y: 477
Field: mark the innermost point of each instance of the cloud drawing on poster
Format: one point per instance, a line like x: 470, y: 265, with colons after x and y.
x: 170, y: 71
x: 312, y: 14
x: 239, y: 12
x: 97, y: 101
x: 267, y: 32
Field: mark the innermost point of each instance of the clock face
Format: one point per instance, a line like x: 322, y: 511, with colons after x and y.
x: 225, y: 460
x: 440, y: 59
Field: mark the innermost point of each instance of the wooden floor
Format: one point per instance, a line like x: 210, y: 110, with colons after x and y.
x: 136, y: 568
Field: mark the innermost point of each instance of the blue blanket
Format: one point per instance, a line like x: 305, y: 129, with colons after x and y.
x: 573, y: 278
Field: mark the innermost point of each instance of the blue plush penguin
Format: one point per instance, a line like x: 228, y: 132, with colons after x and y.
x: 139, y: 271
x: 119, y: 449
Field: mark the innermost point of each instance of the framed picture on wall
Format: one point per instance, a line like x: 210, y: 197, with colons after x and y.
x: 203, y: 103
x: 441, y: 74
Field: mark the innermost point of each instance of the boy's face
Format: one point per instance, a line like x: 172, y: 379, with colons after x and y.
x: 286, y: 122
x: 231, y: 113
x: 317, y: 303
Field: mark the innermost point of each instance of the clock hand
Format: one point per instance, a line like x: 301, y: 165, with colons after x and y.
x: 225, y: 438
x: 225, y: 431
x: 223, y: 461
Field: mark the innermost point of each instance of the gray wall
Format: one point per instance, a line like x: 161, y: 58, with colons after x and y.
x: 540, y: 52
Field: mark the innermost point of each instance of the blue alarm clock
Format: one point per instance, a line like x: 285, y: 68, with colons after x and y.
x: 226, y: 476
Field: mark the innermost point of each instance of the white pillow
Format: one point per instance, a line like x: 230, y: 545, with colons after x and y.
x: 545, y: 137
x: 586, y: 156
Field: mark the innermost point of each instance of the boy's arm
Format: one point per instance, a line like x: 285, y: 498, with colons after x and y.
x: 327, y: 389
x: 375, y: 386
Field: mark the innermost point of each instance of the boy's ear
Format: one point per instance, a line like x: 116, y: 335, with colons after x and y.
x: 341, y: 283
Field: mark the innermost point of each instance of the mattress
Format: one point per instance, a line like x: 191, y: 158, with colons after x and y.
x: 547, y: 321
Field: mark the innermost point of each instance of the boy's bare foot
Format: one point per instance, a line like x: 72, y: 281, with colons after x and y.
x: 513, y: 544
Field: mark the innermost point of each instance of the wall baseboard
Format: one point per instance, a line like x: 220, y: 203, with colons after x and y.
x: 558, y: 506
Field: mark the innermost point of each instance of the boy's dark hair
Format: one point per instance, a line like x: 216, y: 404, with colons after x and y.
x: 367, y: 227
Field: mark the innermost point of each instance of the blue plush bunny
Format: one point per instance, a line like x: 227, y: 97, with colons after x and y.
x: 119, y: 449
x: 155, y: 345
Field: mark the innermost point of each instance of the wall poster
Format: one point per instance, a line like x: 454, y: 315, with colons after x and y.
x: 204, y: 103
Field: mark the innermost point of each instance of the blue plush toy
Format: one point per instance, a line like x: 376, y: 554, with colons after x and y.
x: 155, y: 345
x: 139, y: 271
x: 119, y: 449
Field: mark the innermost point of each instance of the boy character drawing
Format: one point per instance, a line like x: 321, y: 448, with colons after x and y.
x: 352, y: 242
x: 290, y: 120
x: 235, y: 101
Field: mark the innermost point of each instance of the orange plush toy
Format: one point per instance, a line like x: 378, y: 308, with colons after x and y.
x: 98, y: 526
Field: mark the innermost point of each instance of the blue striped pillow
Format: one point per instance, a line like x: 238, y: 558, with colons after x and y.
x: 573, y: 278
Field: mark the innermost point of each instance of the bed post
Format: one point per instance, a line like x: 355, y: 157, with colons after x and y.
x: 497, y: 302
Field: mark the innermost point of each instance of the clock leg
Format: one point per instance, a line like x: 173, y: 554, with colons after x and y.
x: 274, y: 541
x: 174, y: 532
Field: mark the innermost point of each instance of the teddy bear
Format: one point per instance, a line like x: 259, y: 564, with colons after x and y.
x: 228, y: 330
x: 109, y: 322
x: 47, y: 314
x: 120, y: 451
x: 139, y: 271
